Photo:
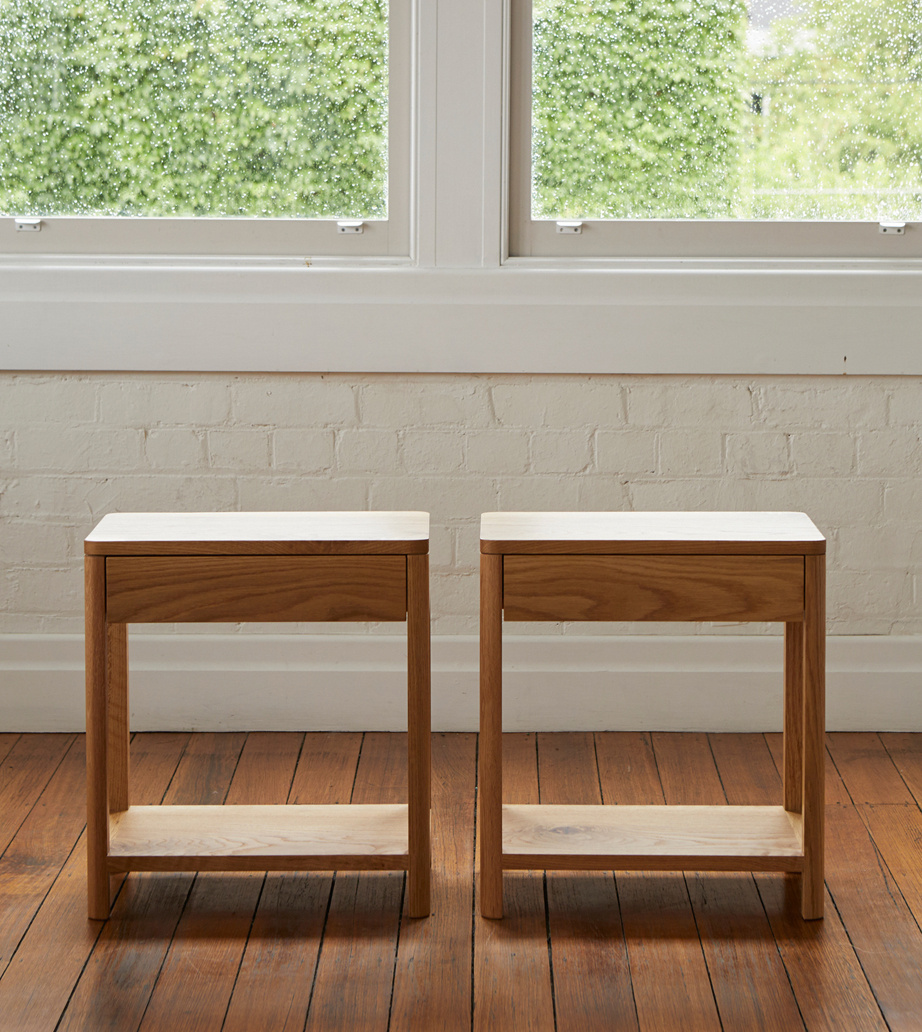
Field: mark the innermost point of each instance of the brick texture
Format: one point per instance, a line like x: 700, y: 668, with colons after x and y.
x: 848, y: 451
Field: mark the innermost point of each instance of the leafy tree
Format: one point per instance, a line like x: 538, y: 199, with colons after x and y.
x: 836, y: 132
x: 637, y: 107
x: 193, y: 107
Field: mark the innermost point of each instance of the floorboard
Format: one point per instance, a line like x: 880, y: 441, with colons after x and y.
x: 825, y: 974
x: 194, y: 985
x: 276, y: 976
x: 592, y: 974
x: 512, y: 971
x: 432, y: 987
x: 363, y: 923
x: 750, y: 984
x: 576, y: 951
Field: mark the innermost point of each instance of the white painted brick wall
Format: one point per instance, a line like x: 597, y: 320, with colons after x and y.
x: 848, y: 451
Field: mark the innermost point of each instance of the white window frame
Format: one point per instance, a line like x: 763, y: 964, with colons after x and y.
x: 461, y: 305
x: 389, y: 238
x: 663, y: 238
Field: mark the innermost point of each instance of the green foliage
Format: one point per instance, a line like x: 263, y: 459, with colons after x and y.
x: 641, y: 109
x: 840, y: 133
x: 194, y: 107
x: 637, y: 107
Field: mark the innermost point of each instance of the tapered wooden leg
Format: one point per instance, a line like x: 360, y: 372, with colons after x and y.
x: 97, y: 803
x: 117, y: 696
x: 814, y: 728
x: 793, y: 716
x: 490, y: 781
x: 419, y: 737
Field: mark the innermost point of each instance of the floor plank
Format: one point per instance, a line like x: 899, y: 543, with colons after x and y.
x: 659, y: 925
x: 835, y: 788
x: 57, y: 953
x: 749, y: 980
x: 592, y: 975
x: 831, y: 991
x: 25, y: 771
x: 7, y: 741
x: 512, y: 971
x: 559, y: 960
x: 273, y: 986
x: 194, y: 986
x: 905, y: 750
x: 897, y: 834
x: 865, y: 766
x: 880, y: 925
x: 40, y: 848
x: 432, y: 980
x: 365, y: 913
x: 627, y: 768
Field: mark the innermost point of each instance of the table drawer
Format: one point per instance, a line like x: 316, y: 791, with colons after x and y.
x: 164, y: 589
x: 653, y: 587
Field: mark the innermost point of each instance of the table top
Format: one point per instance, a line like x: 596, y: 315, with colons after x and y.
x: 649, y: 533
x: 260, y: 533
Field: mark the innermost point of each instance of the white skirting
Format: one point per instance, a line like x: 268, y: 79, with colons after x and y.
x: 227, y: 682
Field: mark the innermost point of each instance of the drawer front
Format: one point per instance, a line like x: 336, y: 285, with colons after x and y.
x: 653, y: 587
x: 163, y: 589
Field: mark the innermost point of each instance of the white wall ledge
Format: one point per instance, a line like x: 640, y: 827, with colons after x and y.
x: 688, y: 317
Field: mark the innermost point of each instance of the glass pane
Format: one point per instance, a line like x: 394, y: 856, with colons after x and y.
x: 273, y: 108
x: 723, y: 109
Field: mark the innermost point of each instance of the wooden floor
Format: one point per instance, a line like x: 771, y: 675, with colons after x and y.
x: 575, y: 952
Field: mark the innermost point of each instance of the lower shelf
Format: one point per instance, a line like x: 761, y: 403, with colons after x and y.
x: 258, y: 838
x: 652, y: 838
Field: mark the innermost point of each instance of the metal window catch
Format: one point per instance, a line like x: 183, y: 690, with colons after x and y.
x: 350, y: 226
x: 567, y: 226
x: 891, y: 228
x: 28, y: 225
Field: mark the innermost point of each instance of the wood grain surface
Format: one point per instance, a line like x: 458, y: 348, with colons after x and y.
x: 158, y: 589
x: 604, y: 587
x: 62, y: 951
x: 597, y: 950
x: 364, y: 918
x: 512, y: 969
x: 749, y: 980
x: 628, y: 838
x: 432, y: 975
x: 592, y: 972
x: 823, y: 969
x: 259, y: 838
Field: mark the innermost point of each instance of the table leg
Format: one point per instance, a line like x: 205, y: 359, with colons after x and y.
x: 117, y: 671
x: 97, y: 804
x: 490, y: 786
x: 814, y: 731
x: 419, y: 737
x: 793, y: 715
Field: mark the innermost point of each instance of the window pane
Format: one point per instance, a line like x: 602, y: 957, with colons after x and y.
x: 273, y: 108
x: 722, y: 109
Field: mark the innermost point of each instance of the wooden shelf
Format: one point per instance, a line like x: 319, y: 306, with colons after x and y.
x: 259, y: 838
x: 659, y: 838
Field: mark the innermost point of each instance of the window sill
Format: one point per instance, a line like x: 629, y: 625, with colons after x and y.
x: 530, y: 316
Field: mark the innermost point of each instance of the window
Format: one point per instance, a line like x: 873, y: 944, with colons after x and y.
x: 716, y: 128
x: 205, y: 126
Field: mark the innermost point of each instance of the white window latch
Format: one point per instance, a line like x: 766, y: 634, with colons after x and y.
x: 350, y: 226
x: 28, y: 225
x: 889, y: 227
x: 567, y: 226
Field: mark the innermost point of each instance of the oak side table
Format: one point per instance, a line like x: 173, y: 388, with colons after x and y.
x: 700, y: 566
x: 258, y: 566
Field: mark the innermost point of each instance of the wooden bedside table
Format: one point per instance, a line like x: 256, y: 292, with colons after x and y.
x: 261, y: 566
x: 764, y: 566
